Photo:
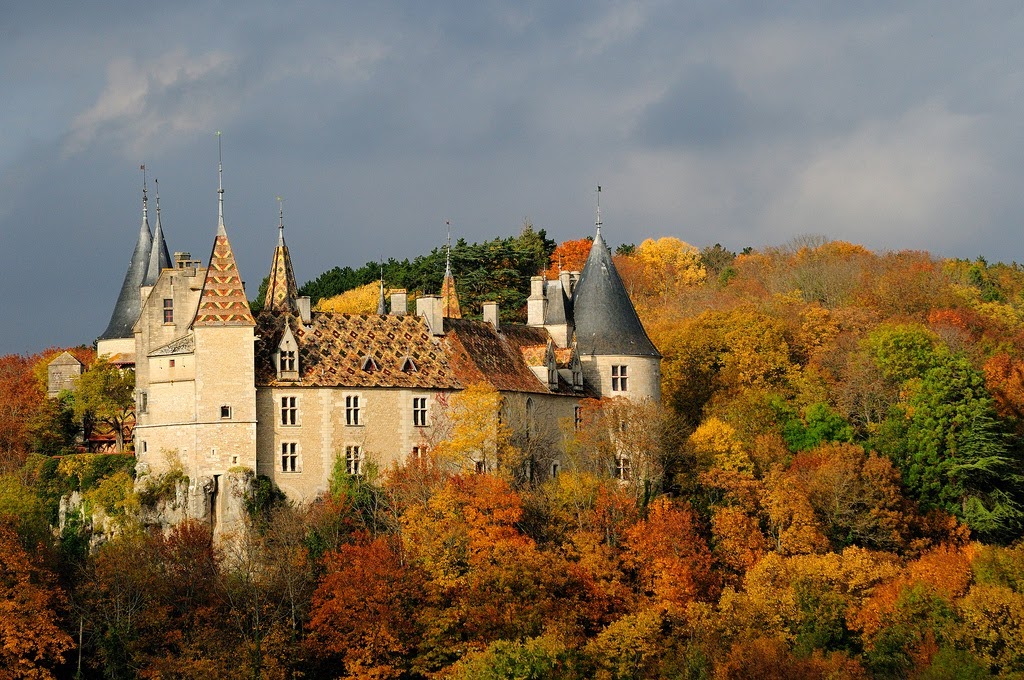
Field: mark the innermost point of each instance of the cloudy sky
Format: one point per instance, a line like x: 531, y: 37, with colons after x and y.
x: 895, y: 125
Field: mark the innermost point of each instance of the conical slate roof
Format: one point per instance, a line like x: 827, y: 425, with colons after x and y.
x: 159, y: 257
x: 129, y: 301
x: 606, y: 322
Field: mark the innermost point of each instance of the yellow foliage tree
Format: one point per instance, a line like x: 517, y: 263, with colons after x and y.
x: 478, y: 439
x: 717, y: 445
x: 361, y: 300
x: 666, y: 267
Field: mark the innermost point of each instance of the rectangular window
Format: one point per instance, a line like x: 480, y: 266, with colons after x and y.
x: 225, y: 412
x: 352, y: 410
x: 481, y: 467
x: 554, y: 470
x: 622, y: 468
x: 577, y: 418
x: 619, y: 379
x: 353, y: 460
x: 289, y: 457
x: 289, y: 411
x: 144, y: 447
x: 419, y: 411
x: 143, y: 402
x: 168, y: 310
x: 419, y: 454
x: 170, y: 363
x: 288, y: 361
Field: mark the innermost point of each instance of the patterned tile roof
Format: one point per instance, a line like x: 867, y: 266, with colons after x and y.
x: 333, y: 351
x: 479, y: 353
x: 223, y: 301
x: 449, y: 298
x: 282, y: 290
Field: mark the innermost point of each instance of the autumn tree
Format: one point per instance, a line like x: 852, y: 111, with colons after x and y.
x: 20, y: 396
x: 569, y: 256
x: 361, y: 300
x: 31, y: 640
x: 105, y: 394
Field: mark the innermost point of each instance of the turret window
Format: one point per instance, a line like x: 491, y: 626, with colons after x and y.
x: 619, y: 379
x: 287, y: 361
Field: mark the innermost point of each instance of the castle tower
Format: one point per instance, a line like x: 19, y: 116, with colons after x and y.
x: 618, y: 358
x: 225, y: 381
x: 282, y: 291
x: 159, y: 257
x: 118, y: 337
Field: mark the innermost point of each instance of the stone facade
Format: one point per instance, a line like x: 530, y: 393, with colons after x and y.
x: 290, y: 394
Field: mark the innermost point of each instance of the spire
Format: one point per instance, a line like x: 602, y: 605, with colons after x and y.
x: 597, y: 222
x: 220, y: 188
x: 606, y: 321
x: 159, y: 257
x: 381, y: 309
x: 222, y: 302
x: 282, y: 292
x: 449, y: 298
x: 129, y: 301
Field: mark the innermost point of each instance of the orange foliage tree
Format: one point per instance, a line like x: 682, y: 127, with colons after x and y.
x: 569, y: 256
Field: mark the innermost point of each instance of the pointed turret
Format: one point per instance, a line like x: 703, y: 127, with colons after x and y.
x: 282, y: 291
x: 449, y: 298
x: 223, y: 301
x: 129, y: 301
x: 605, y: 320
x: 159, y: 257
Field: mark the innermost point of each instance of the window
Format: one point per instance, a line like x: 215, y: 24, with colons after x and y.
x: 170, y: 363
x: 619, y: 379
x: 554, y: 470
x: 577, y: 418
x: 289, y: 457
x: 622, y: 468
x: 289, y: 411
x: 168, y: 310
x: 552, y: 375
x: 353, y: 460
x: 577, y: 378
x: 144, y: 447
x: 143, y: 402
x: 408, y: 365
x: 370, y: 364
x: 352, y: 409
x: 287, y: 361
x: 419, y: 411
x: 480, y: 467
x: 419, y: 454
x: 225, y: 412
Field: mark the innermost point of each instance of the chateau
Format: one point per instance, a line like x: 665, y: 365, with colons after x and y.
x: 288, y: 391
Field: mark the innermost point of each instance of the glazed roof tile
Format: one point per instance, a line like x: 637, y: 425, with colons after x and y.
x: 223, y: 301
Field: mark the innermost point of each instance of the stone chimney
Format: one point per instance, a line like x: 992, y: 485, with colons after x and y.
x: 304, y: 310
x: 491, y: 314
x: 429, y: 307
x: 399, y: 302
x: 565, y: 278
x: 536, y: 304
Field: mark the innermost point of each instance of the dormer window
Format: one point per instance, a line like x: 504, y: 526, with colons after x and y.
x: 552, y: 374
x: 370, y: 364
x: 408, y: 365
x: 288, y: 357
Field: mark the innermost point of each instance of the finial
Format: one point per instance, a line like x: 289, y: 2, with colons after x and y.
x: 280, y: 224
x: 220, y: 186
x: 448, y: 252
x: 156, y: 183
x: 597, y: 223
x: 145, y: 199
x: 381, y: 308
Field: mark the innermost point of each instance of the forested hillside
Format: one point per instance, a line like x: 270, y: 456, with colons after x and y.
x: 832, y: 488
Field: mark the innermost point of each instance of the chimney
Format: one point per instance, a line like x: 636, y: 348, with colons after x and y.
x: 399, y: 302
x: 491, y: 314
x: 536, y: 304
x: 565, y: 278
x: 304, y: 311
x: 429, y: 307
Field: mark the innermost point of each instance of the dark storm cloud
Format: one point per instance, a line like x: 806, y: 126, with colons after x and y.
x: 895, y: 126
